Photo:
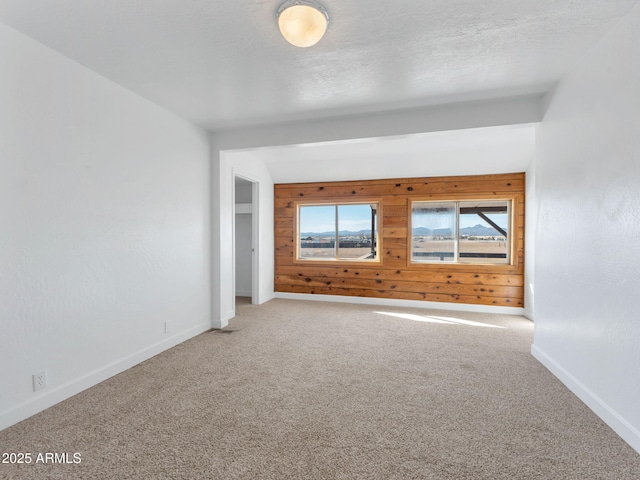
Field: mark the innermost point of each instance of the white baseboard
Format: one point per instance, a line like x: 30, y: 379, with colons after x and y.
x: 266, y: 298
x: 69, y: 389
x: 392, y: 302
x: 243, y: 293
x: 609, y: 416
x: 224, y: 320
x: 528, y: 314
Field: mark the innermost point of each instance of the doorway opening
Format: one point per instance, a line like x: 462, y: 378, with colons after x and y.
x: 245, y: 240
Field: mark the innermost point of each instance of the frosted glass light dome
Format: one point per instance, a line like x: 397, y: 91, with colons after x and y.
x: 302, y: 23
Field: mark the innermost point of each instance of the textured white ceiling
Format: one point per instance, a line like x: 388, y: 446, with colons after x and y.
x: 223, y: 64
x: 473, y: 151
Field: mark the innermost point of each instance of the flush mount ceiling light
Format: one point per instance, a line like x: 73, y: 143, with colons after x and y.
x: 302, y: 22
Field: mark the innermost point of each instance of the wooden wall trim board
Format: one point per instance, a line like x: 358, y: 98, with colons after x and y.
x: 394, y: 276
x: 400, y: 303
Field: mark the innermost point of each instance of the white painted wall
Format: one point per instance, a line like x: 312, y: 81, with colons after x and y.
x: 530, y: 219
x: 243, y: 193
x: 104, y: 236
x: 471, y: 151
x: 437, y: 118
x: 588, y: 225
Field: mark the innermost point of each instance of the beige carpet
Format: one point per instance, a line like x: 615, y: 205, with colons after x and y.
x: 310, y: 390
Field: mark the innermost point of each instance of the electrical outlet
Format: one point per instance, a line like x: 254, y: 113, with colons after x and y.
x: 39, y: 381
x: 167, y: 327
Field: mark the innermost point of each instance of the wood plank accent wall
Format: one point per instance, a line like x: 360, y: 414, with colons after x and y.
x: 395, y: 276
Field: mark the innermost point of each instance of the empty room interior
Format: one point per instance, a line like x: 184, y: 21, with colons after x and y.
x: 404, y: 248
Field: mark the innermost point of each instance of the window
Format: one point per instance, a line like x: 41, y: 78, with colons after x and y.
x: 338, y: 232
x: 461, y: 232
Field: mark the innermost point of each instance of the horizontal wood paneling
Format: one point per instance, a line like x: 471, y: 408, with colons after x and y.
x: 349, y: 272
x: 395, y: 276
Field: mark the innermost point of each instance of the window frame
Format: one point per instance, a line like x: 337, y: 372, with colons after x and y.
x: 337, y: 261
x: 511, y: 239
